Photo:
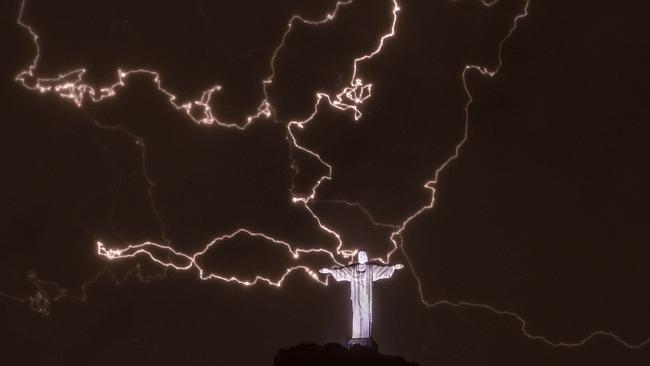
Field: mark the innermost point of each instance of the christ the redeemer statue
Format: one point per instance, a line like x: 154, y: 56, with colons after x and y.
x: 361, y: 275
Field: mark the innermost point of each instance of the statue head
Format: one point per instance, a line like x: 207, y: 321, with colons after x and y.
x: 362, y: 257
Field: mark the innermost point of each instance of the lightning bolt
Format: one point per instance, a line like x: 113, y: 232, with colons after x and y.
x: 71, y: 86
x: 431, y: 184
x: 48, y: 292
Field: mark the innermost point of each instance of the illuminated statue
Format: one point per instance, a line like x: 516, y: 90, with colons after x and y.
x: 361, y: 275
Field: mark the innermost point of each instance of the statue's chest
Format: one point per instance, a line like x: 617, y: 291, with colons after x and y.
x: 362, y: 278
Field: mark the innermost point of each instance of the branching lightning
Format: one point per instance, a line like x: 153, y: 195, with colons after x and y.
x: 71, y: 86
x: 48, y: 292
x: 185, y: 261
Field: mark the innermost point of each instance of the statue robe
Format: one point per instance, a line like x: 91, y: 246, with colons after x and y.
x: 361, y: 277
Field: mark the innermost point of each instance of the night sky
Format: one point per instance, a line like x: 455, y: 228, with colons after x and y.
x: 544, y: 214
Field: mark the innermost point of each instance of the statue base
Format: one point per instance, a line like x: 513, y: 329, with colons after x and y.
x: 363, y: 343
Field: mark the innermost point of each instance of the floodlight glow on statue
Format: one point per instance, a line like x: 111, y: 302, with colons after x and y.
x: 361, y: 275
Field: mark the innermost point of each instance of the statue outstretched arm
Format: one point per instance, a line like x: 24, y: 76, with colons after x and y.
x: 339, y: 274
x: 380, y: 272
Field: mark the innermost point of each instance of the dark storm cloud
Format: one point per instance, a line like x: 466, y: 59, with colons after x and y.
x: 544, y: 213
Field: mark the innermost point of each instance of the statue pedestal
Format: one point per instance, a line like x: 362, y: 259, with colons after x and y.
x: 367, y: 343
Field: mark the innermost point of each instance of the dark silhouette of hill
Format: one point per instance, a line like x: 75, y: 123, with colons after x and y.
x: 335, y: 354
